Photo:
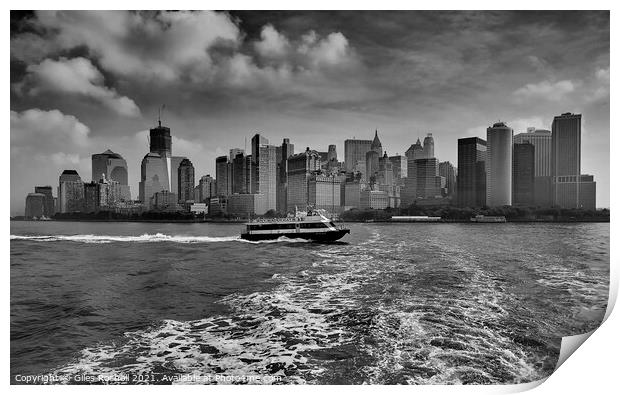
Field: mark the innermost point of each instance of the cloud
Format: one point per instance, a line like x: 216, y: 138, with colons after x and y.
x: 52, y: 130
x: 77, y: 76
x: 272, y: 43
x: 546, y: 90
x: 163, y: 45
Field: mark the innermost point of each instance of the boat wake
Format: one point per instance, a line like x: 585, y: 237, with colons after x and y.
x: 145, y: 238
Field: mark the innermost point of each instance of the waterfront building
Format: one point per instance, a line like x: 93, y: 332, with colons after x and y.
x: 428, y: 181
x: 471, y: 177
x: 218, y: 205
x: 324, y: 192
x: 35, y: 206
x: 566, y: 159
x: 351, y: 194
x: 186, y: 181
x: 239, y: 179
x: 70, y: 192
x: 50, y: 207
x: 165, y: 201
x: 378, y: 200
x: 199, y: 208
x: 541, y: 140
x: 372, y: 166
x: 300, y: 168
x: 587, y: 192
x: 247, y: 204
x: 111, y: 166
x: 223, y: 172
x: 355, y: 154
x: 448, y: 174
x: 499, y: 165
x: 523, y: 165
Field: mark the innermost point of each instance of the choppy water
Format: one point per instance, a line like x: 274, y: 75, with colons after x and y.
x: 393, y: 303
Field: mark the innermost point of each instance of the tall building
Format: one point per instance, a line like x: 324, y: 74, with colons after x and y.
x: 399, y: 166
x: 331, y: 153
x: 587, y: 192
x: 324, y: 192
x: 154, y: 176
x: 286, y: 151
x: 113, y: 167
x: 427, y: 178
x: 376, y: 144
x: 239, y: 176
x: 447, y: 171
x: 234, y: 152
x: 300, y: 169
x: 70, y: 192
x: 471, y: 178
x: 206, y: 189
x: 499, y: 165
x: 523, y: 170
x: 265, y: 162
x: 566, y: 159
x: 428, y: 151
x: 222, y: 176
x: 355, y: 153
x: 35, y: 205
x: 409, y: 193
x: 159, y: 169
x: 541, y: 140
x: 50, y: 207
x: 186, y: 181
x: 372, y: 166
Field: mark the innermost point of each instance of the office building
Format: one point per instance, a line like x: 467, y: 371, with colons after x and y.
x: 50, y: 207
x: 206, y: 189
x: 331, y: 153
x: 35, y: 206
x: 233, y: 152
x: 448, y: 173
x: 223, y: 173
x: 399, y: 166
x: 70, y: 192
x: 523, y: 165
x: 165, y: 201
x: 186, y: 181
x: 351, y: 194
x: 111, y: 166
x: 324, y: 192
x: 499, y: 165
x: 246, y: 204
x: 428, y: 151
x: 428, y: 181
x: 566, y: 159
x: 300, y: 168
x: 286, y: 151
x: 265, y: 166
x: 471, y: 177
x: 154, y: 176
x: 587, y: 192
x: 378, y: 200
x: 355, y: 154
x: 541, y: 140
x: 409, y: 192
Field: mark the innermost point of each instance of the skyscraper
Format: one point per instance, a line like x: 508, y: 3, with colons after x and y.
x: 186, y: 180
x: 499, y: 165
x: 114, y: 167
x: 355, y: 153
x: 429, y: 146
x: 399, y: 166
x: 447, y: 171
x: 70, y: 192
x: 471, y: 178
x: 35, y: 205
x: 523, y: 170
x: 427, y: 178
x: 409, y: 193
x: 566, y: 159
x: 50, y: 208
x: 222, y: 176
x: 206, y: 188
x: 376, y: 145
x: 541, y: 140
x: 154, y: 176
x: 286, y: 151
x: 331, y: 153
x: 300, y: 168
x: 160, y: 140
x: 265, y: 162
x: 239, y: 179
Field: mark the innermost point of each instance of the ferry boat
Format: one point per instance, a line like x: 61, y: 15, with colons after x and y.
x: 311, y: 225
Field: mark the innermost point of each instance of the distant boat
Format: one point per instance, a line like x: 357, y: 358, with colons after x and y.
x: 310, y: 225
x: 488, y: 218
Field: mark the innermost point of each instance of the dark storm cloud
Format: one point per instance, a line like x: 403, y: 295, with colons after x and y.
x: 311, y: 76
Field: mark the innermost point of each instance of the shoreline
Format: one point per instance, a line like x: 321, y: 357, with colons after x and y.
x: 241, y: 221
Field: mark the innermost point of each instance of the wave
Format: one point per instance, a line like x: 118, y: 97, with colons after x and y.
x: 145, y: 238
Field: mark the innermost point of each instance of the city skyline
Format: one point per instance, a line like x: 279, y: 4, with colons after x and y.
x: 561, y: 74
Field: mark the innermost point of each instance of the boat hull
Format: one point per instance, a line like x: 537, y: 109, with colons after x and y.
x: 331, y: 235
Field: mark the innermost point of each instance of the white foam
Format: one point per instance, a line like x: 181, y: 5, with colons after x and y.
x: 144, y: 238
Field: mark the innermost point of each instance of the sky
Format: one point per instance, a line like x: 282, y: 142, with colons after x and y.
x: 86, y: 81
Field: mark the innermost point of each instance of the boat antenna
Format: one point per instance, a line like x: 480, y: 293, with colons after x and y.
x: 161, y: 108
